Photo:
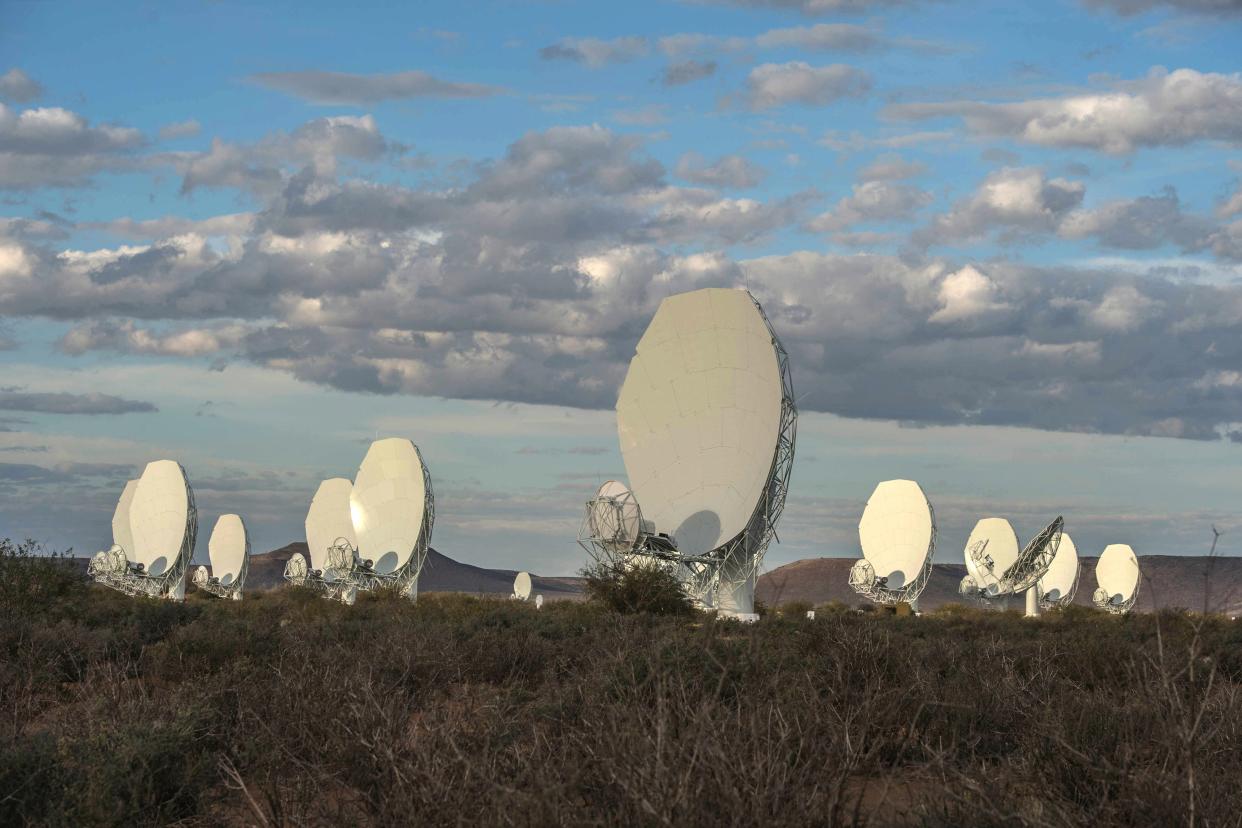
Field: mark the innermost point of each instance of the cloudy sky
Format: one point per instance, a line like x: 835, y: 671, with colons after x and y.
x: 1003, y: 246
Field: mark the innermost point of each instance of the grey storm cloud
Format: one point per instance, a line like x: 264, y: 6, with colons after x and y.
x: 729, y: 171
x: 55, y: 147
x: 66, y: 403
x: 17, y: 86
x: 595, y: 52
x: 873, y: 201
x: 688, y: 71
x: 778, y: 84
x: 1204, y: 7
x: 810, y: 8
x: 532, y: 281
x: 1163, y: 109
x: 358, y: 90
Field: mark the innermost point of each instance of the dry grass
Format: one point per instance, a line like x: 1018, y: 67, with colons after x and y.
x: 284, y: 709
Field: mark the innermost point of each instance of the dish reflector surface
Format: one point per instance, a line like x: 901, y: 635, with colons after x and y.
x: 122, y: 533
x: 521, y: 585
x: 895, y: 531
x: 227, y: 548
x: 158, y: 516
x: 1059, y: 580
x: 1117, y: 572
x: 999, y: 543
x: 387, y: 504
x: 699, y: 416
x: 329, y: 519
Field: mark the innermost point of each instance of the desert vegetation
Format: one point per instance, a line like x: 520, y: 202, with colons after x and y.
x: 285, y: 709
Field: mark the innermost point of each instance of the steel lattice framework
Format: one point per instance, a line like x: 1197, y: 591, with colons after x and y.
x: 112, y: 568
x: 346, y: 573
x: 864, y: 581
x: 742, y: 555
x: 1100, y: 599
x: 1033, y: 561
x: 208, y: 584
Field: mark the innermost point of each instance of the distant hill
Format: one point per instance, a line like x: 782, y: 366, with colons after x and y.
x: 440, y: 574
x: 1168, y: 581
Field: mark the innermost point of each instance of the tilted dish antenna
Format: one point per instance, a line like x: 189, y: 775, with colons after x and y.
x: 897, y: 534
x: 707, y: 423
x: 1117, y: 574
x: 991, y: 550
x: 1060, y: 582
x: 330, y: 541
x: 228, y: 549
x: 393, y: 511
x: 112, y: 564
x: 521, y: 586
x: 163, y: 525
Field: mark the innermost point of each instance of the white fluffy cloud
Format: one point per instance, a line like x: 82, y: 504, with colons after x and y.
x: 1163, y: 109
x: 777, y: 84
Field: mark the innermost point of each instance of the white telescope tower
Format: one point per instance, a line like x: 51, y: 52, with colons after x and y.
x: 707, y: 424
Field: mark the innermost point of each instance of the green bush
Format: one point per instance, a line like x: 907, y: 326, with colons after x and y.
x: 630, y: 589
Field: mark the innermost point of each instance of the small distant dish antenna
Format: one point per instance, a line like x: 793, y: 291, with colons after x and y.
x: 810, y: 614
x: 330, y: 541
x: 1059, y: 584
x: 228, y: 549
x: 1117, y: 574
x: 993, y: 572
x: 897, y: 534
x: 538, y: 602
x: 706, y: 420
x: 153, y: 531
x: 376, y: 534
x: 521, y: 586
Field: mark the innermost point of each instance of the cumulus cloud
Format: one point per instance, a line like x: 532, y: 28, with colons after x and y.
x: 17, y: 86
x: 13, y: 399
x: 181, y: 129
x: 1139, y: 224
x: 360, y: 90
x: 728, y: 171
x: 532, y: 279
x: 837, y: 37
x: 891, y: 168
x: 55, y: 147
x: 1017, y: 200
x: 811, y: 8
x: 594, y: 52
x: 873, y: 201
x: 1128, y: 8
x: 688, y: 71
x: 1163, y: 109
x: 777, y: 84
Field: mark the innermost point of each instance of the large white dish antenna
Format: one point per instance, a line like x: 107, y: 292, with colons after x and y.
x: 896, y: 531
x: 328, y: 521
x: 1117, y: 573
x: 159, y: 517
x: 388, y: 503
x: 521, y: 586
x: 991, y: 550
x: 1058, y: 584
x: 122, y: 534
x: 699, y: 417
x: 227, y: 549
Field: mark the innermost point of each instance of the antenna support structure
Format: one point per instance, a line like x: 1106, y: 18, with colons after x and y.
x: 616, y: 536
x: 347, y: 572
x: 864, y: 581
x: 1023, y: 574
x: 113, y: 568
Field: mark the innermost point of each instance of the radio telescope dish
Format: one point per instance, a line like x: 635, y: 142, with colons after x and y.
x: 897, y: 534
x: 706, y: 420
x: 163, y: 525
x: 329, y: 521
x: 229, y: 552
x: 393, y: 513
x: 521, y: 586
x: 122, y: 534
x: 538, y: 602
x: 1060, y: 582
x: 990, y: 550
x: 1117, y: 573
